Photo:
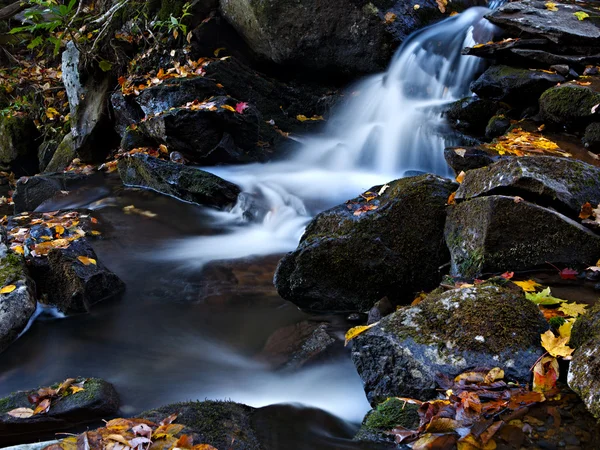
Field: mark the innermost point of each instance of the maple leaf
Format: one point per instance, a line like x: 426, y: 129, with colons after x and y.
x: 573, y: 309
x: 581, y: 15
x: 355, y: 331
x: 528, y: 285
x: 543, y: 298
x: 545, y: 375
x: 241, y: 107
x: 556, y: 346
x: 568, y: 274
x: 565, y: 329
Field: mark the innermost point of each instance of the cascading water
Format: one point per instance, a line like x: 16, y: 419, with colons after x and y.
x: 390, y: 126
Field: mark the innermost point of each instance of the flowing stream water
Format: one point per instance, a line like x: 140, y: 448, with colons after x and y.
x: 200, y: 303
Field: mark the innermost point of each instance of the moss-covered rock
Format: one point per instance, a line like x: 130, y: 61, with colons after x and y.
x: 18, y: 145
x: 586, y: 327
x: 348, y: 259
x: 463, y: 159
x: 63, y: 156
x: 471, y: 114
x: 562, y: 183
x: 497, y: 126
x: 514, y: 85
x: 445, y: 334
x: 499, y: 233
x: 386, y: 416
x: 591, y: 137
x: 569, y: 105
x: 221, y: 424
x: 186, y: 183
x: 98, y: 400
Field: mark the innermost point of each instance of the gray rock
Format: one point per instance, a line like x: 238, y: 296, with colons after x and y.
x: 569, y: 105
x: 463, y: 159
x: 471, y: 115
x: 182, y: 182
x: 31, y: 192
x: 499, y: 233
x: 97, y: 401
x: 514, y: 85
x: 18, y: 145
x: 347, y: 261
x: 497, y: 126
x: 63, y: 156
x: 563, y: 183
x: 445, y: 334
x: 591, y: 138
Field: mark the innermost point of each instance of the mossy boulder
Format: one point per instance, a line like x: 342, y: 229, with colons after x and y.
x: 497, y: 126
x: 584, y: 370
x: 569, y: 105
x: 349, y: 258
x: 463, y: 159
x: 222, y: 424
x: 447, y: 334
x: 471, y: 114
x: 31, y: 192
x: 591, y: 137
x: 98, y: 400
x: 182, y: 182
x: 513, y: 85
x: 16, y: 307
x: 563, y: 183
x: 497, y: 233
x: 63, y: 156
x: 384, y: 417
x: 19, y: 141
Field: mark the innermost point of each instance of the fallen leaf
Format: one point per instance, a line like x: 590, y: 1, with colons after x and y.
x: 573, y: 309
x: 43, y: 407
x: 494, y: 375
x: 581, y: 15
x: 364, y: 208
x: 568, y: 274
x: 508, y: 275
x: 545, y: 375
x: 528, y: 285
x: 435, y: 442
x: 543, y: 298
x: 368, y: 196
x: 8, y: 289
x: 118, y: 438
x: 384, y: 188
x: 21, y: 413
x: 86, y: 261
x: 390, y: 18
x: 76, y: 389
x: 556, y: 346
x: 460, y: 152
x: 461, y: 177
x: 565, y: 329
x: 217, y: 51
x: 303, y: 118
x: 241, y: 107
x: 228, y: 108
x: 451, y: 200
x: 550, y: 6
x: 167, y: 420
x: 185, y: 441
x: 442, y: 5
x: 355, y: 331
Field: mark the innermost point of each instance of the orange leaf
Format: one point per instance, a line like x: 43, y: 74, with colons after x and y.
x: 586, y: 211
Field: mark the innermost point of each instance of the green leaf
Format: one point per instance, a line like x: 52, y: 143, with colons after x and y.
x: 543, y: 298
x: 581, y: 15
x: 35, y: 43
x: 105, y: 66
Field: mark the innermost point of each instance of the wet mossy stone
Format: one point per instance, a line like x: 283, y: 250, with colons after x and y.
x: 569, y: 105
x: 514, y: 85
x: 591, y: 137
x: 222, y: 424
x: 384, y: 417
x: 463, y: 159
x: 63, y: 156
x: 347, y: 261
x: 98, y: 400
x: 18, y: 145
x: 497, y: 126
x: 472, y: 114
x: 484, y: 326
x: 182, y: 182
x: 31, y: 192
x: 586, y: 327
x: 497, y: 233
x: 563, y: 183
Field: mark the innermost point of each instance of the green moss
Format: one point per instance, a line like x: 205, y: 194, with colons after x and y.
x: 9, y: 403
x: 586, y: 327
x: 11, y: 268
x: 391, y: 413
x: 568, y: 103
x: 556, y: 322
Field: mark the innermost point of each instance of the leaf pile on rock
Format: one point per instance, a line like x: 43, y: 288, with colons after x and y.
x: 43, y: 399
x: 519, y: 142
x: 138, y: 434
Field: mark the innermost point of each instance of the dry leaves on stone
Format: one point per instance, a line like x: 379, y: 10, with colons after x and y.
x: 44, y: 398
x: 519, y: 142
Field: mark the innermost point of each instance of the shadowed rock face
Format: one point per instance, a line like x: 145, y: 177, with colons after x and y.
x: 446, y: 334
x: 348, y: 259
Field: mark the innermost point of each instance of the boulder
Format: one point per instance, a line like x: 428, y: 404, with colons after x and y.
x: 221, y: 424
x: 201, y: 134
x: 514, y: 85
x: 499, y: 233
x: 569, y: 105
x: 471, y: 114
x: 497, y: 126
x: 463, y: 159
x: 63, y: 156
x: 31, y: 192
x: 445, y: 334
x: 584, y: 370
x: 390, y: 414
x: 182, y: 182
x: 340, y: 37
x: 591, y: 137
x: 16, y: 307
x: 563, y: 183
x: 97, y: 401
x: 356, y: 253
x: 18, y: 145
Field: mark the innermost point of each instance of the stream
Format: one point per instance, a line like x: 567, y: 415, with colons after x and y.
x: 200, y: 303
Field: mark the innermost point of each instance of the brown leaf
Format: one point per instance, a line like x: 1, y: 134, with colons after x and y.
x: 586, y: 211
x: 364, y: 208
x: 21, y: 413
x: 43, y: 407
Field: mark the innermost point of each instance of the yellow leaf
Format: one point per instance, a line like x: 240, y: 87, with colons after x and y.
x: 19, y: 249
x: 528, y: 286
x: 581, y: 15
x: 95, y: 233
x: 573, y: 309
x: 59, y: 229
x: 86, y: 261
x: 303, y: 118
x: 118, y: 438
x: 550, y: 6
x: 217, y: 51
x: 228, y: 108
x: 353, y: 332
x: 565, y: 329
x: 494, y: 375
x: 416, y: 7
x: 51, y: 113
x: 76, y: 389
x: 556, y: 346
x: 461, y: 177
x: 8, y: 289
x: 545, y: 375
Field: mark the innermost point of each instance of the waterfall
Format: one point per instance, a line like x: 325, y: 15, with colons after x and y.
x: 389, y: 125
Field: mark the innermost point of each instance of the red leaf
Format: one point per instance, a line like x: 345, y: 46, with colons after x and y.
x: 241, y: 107
x: 568, y: 274
x: 508, y: 275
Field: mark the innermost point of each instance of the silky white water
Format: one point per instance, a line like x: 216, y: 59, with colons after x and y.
x: 388, y: 126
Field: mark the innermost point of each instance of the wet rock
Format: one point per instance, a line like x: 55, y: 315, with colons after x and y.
x: 563, y: 183
x: 497, y: 126
x: 569, y: 105
x: 254, y: 207
x: 98, y: 400
x: 126, y: 110
x: 347, y: 260
x: 69, y: 284
x: 463, y: 159
x: 297, y: 345
x: 63, y: 156
x: 220, y: 424
x: 584, y: 370
x: 444, y: 334
x: 471, y: 115
x: 216, y: 33
x: 499, y: 233
x: 31, y: 192
x: 199, y: 134
x: 379, y: 310
x: 384, y: 417
x: 18, y: 145
x: 186, y: 183
x: 591, y: 138
x: 88, y: 95
x: 18, y: 306
x: 514, y: 85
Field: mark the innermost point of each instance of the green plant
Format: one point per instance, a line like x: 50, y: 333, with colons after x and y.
x: 175, y: 25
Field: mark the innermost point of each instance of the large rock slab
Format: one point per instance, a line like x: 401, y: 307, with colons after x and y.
x: 445, y: 334
x: 98, y: 400
x: 185, y: 183
x: 31, y: 192
x: 347, y: 260
x: 563, y: 183
x: 497, y: 233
